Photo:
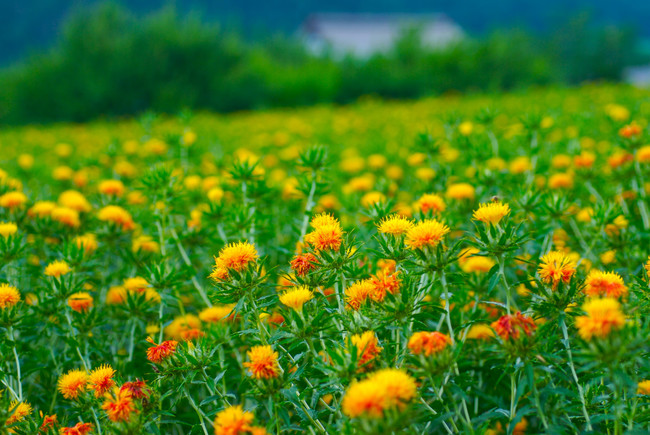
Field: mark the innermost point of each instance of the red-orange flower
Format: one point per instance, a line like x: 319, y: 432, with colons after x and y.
x: 302, y: 264
x: 428, y: 343
x: 162, y: 351
x: 119, y: 406
x: 138, y: 389
x: 510, y: 326
x: 77, y: 429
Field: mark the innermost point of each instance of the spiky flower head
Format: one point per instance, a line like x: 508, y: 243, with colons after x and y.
x: 367, y: 348
x: 608, y: 284
x: 426, y: 234
x: 384, y: 390
x: 428, y: 343
x: 57, y: 268
x: 603, y: 316
x: 9, y: 296
x: 296, y: 297
x: 263, y: 362
x: 236, y: 256
x: 395, y: 225
x: 101, y: 380
x: 491, y: 212
x: 556, y: 267
x: 73, y: 383
x: 119, y: 405
x: 160, y: 352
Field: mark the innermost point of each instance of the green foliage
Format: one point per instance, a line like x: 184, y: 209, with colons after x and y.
x: 110, y: 63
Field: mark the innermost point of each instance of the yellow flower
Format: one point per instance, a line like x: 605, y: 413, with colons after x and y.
x: 427, y: 233
x: 233, y: 421
x: 555, y: 267
x: 469, y: 262
x: 136, y: 284
x: 603, y: 315
x: 111, y: 187
x: 73, y: 383
x: 116, y: 295
x: 480, y: 331
x: 20, y: 411
x: 217, y: 313
x: 66, y: 216
x: 643, y: 388
x: 57, y: 268
x: 372, y: 198
x: 382, y: 391
x: 263, y: 362
x: 146, y: 244
x: 8, y: 229
x: 236, y: 256
x: 13, y: 199
x: 74, y: 200
x: 491, y: 213
x: 117, y: 215
x: 181, y: 325
x: 461, y: 191
x: 9, y: 296
x: 87, y: 242
x: 560, y: 181
x: 395, y: 225
x: 296, y: 297
x: 41, y: 209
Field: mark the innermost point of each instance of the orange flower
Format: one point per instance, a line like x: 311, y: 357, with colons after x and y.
x: 111, y: 187
x: 77, y: 429
x: 427, y: 233
x: 384, y: 283
x: 9, y: 296
x: 118, y: 216
x: 510, y: 326
x: 431, y: 202
x: 236, y: 256
x: 20, y: 410
x: 101, y: 379
x: 159, y: 352
x: 325, y: 238
x: 80, y: 301
x: 357, y: 293
x: 555, y: 267
x: 302, y: 264
x: 233, y: 421
x: 383, y: 390
x: 73, y: 383
x: 49, y: 421
x: 263, y: 362
x: 608, y: 284
x: 119, y: 406
x: 630, y: 130
x: 367, y: 348
x: 603, y: 315
x: 428, y: 343
x: 13, y: 199
x: 138, y: 389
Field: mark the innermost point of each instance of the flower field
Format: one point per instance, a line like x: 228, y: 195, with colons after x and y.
x: 468, y: 264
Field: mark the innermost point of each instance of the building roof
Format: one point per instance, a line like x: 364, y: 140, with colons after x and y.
x: 365, y: 34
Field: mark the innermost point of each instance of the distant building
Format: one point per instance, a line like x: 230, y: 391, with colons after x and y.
x: 637, y: 75
x: 365, y: 34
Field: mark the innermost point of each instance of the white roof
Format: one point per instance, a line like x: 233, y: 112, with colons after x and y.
x: 365, y: 34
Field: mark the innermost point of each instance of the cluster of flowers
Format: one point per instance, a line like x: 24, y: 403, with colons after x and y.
x: 493, y: 279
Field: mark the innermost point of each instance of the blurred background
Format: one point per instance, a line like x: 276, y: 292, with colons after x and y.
x: 73, y: 60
